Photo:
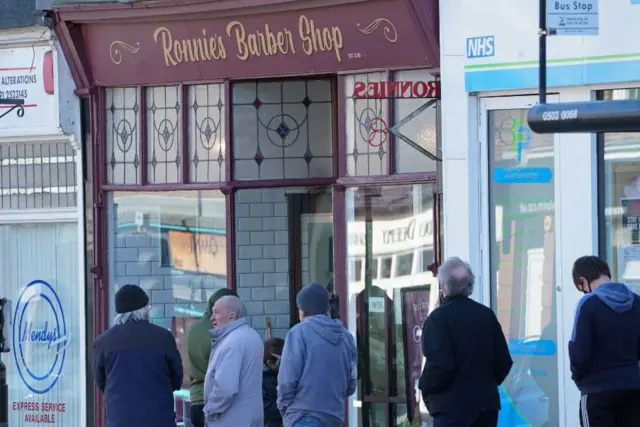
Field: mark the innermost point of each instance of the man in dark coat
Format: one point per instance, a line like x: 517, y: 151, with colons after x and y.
x: 137, y: 365
x: 467, y: 354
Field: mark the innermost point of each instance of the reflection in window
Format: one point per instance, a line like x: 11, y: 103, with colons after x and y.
x: 522, y: 252
x: 173, y: 245
x: 621, y: 184
x: 390, y: 356
x: 404, y: 265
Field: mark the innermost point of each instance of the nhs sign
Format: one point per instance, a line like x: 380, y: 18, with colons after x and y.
x: 480, y: 47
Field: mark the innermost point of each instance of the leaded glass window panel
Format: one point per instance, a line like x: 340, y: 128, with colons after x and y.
x: 123, y: 139
x: 416, y: 125
x: 282, y: 129
x: 206, y: 133
x: 366, y: 125
x: 163, y: 134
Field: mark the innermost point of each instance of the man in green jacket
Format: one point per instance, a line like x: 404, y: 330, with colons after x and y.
x: 199, y: 348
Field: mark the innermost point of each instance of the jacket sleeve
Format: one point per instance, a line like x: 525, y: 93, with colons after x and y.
x: 353, y: 374
x: 98, y: 368
x: 502, y: 361
x: 581, y: 341
x: 437, y: 348
x: 175, y: 364
x: 226, y: 383
x: 291, y: 366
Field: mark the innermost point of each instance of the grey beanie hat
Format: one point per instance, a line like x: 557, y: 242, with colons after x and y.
x: 313, y: 299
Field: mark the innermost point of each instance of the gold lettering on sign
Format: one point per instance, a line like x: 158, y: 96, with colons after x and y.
x: 390, y: 32
x: 319, y: 39
x: 116, y: 55
x: 265, y: 41
x: 176, y: 52
x: 261, y: 42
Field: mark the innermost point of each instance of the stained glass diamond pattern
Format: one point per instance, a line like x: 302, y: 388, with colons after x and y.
x: 308, y: 156
x: 283, y: 130
x: 258, y: 157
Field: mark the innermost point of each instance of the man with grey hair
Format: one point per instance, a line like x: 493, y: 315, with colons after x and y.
x: 466, y: 353
x: 137, y: 365
x: 233, y: 383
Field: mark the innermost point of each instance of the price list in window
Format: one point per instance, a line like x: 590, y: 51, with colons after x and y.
x: 631, y: 219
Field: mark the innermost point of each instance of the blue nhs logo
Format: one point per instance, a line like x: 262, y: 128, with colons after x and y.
x: 480, y: 47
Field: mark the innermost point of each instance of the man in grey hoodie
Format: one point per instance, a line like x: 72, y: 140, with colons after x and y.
x: 318, y: 365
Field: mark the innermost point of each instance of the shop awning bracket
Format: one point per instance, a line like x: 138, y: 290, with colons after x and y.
x: 15, y: 104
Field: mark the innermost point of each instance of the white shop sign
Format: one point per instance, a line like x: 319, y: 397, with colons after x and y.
x: 393, y: 236
x: 23, y: 74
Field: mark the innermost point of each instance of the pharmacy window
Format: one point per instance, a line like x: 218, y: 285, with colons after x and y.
x: 619, y: 197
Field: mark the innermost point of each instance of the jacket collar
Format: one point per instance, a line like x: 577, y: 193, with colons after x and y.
x: 454, y: 298
x: 221, y: 332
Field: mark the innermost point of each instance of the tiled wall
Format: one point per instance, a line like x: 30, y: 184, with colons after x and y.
x: 137, y: 261
x: 262, y: 257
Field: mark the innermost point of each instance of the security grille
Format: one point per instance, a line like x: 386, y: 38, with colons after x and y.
x: 37, y: 175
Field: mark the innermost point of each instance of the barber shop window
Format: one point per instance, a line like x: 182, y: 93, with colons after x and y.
x: 391, y: 289
x: 619, y: 197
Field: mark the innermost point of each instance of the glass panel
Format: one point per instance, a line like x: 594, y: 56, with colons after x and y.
x: 123, y: 160
x: 521, y: 205
x: 268, y: 222
x: 366, y: 127
x: 622, y: 199
x: 282, y: 129
x: 416, y: 123
x: 44, y: 365
x: 173, y: 245
x: 163, y: 134
x: 391, y: 228
x: 206, y: 133
x: 37, y: 175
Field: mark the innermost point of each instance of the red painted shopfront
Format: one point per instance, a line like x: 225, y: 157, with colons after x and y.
x: 262, y: 145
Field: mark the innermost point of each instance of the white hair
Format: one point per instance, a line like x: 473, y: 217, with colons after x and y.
x: 456, y: 278
x: 234, y: 305
x: 133, y: 316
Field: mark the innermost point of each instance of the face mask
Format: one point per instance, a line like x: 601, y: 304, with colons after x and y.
x: 585, y: 289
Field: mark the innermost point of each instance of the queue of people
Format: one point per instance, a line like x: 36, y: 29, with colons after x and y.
x: 237, y: 380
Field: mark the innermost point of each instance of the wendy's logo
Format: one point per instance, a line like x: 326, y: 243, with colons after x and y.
x: 40, y: 336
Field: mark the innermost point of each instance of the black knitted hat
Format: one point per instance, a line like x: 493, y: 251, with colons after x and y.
x: 130, y: 298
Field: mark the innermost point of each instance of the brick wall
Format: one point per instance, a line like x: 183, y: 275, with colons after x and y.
x: 138, y: 261
x: 262, y: 262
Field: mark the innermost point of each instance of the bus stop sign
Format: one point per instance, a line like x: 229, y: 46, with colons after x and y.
x: 586, y: 117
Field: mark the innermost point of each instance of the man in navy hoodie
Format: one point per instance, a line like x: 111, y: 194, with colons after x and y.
x: 318, y: 365
x: 605, y: 347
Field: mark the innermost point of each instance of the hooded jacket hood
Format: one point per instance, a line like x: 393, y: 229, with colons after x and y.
x: 329, y: 329
x: 616, y: 296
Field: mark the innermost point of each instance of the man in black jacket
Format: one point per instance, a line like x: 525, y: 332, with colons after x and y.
x: 467, y: 354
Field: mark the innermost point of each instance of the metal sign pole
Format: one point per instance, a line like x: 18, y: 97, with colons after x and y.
x: 542, y: 34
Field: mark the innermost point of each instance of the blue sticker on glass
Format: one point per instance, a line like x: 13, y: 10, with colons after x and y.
x: 40, y: 336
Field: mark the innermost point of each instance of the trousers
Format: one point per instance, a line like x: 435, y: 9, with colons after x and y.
x: 482, y: 419
x: 197, y: 416
x: 615, y: 408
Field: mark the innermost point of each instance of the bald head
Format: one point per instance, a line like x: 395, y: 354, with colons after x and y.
x: 227, y: 309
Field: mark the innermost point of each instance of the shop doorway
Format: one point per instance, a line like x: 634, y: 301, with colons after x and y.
x: 284, y: 240
x: 519, y: 266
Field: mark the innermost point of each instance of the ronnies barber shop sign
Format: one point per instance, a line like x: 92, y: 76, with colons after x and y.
x: 373, y: 34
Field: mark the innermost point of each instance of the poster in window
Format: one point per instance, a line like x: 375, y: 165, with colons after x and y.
x: 415, y: 309
x: 198, y: 252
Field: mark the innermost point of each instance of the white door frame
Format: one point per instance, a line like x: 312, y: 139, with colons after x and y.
x: 509, y: 103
